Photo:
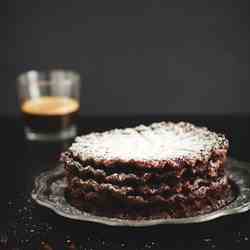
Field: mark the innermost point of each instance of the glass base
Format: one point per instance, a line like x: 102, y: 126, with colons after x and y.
x: 66, y: 133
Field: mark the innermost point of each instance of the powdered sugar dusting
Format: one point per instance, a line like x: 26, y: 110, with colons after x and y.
x: 158, y: 142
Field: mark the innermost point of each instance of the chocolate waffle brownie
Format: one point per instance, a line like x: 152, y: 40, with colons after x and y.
x: 167, y: 170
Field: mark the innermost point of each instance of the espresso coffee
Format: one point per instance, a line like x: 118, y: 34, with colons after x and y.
x: 50, y: 114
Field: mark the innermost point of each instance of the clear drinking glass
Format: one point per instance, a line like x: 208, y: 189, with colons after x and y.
x: 50, y: 103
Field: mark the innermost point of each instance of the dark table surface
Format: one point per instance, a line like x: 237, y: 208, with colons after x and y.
x: 26, y: 225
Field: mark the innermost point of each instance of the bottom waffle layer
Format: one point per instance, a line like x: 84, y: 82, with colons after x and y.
x: 201, y: 201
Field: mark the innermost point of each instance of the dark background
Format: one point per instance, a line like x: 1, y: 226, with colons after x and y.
x: 145, y: 61
x: 140, y: 57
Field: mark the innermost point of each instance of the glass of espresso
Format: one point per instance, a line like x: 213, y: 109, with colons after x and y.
x: 50, y: 104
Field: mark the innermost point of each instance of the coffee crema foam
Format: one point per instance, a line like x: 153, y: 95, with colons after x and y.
x: 50, y: 105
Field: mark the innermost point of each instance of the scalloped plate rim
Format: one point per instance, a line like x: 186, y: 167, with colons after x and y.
x: 139, y: 223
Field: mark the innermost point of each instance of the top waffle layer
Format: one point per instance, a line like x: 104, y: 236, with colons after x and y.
x: 157, y: 145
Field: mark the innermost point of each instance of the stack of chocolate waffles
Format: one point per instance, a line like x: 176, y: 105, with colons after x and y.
x: 165, y: 170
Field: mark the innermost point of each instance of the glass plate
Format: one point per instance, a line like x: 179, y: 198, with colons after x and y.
x: 49, y: 192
